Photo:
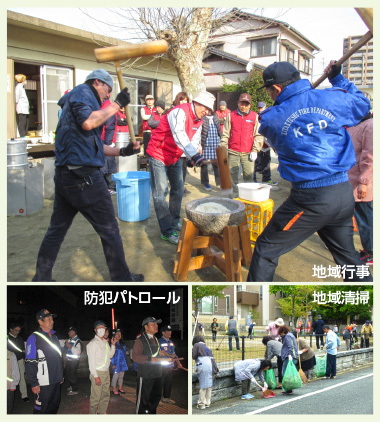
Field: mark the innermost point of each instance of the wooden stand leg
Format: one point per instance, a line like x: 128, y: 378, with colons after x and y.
x: 184, y: 249
x: 245, y: 243
x: 231, y: 242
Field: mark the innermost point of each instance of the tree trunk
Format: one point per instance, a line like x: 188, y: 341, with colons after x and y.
x: 187, y: 48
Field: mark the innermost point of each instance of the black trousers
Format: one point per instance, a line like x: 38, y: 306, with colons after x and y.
x: 22, y: 124
x: 245, y: 384
x: 262, y: 165
x: 48, y: 399
x: 279, y: 368
x: 319, y: 337
x: 71, y: 370
x: 327, y: 211
x: 94, y: 202
x: 148, y: 395
x: 146, y: 139
x: 10, y: 401
x: 166, y: 380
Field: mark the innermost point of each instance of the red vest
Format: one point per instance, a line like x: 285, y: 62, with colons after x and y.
x: 221, y: 115
x: 241, y: 134
x: 120, y: 128
x: 148, y: 111
x: 162, y: 146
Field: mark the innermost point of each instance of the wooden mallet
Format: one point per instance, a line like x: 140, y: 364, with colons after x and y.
x: 124, y: 52
x: 367, y: 16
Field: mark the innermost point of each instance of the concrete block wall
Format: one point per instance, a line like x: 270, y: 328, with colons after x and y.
x: 225, y: 385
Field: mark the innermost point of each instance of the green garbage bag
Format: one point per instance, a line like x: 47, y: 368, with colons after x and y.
x: 291, y: 379
x: 320, y: 367
x: 270, y: 379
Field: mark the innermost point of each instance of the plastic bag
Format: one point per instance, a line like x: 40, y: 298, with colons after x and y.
x: 320, y: 367
x: 291, y: 379
x: 270, y: 379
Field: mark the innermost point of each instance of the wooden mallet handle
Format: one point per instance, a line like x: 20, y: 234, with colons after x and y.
x: 124, y: 52
x: 367, y: 16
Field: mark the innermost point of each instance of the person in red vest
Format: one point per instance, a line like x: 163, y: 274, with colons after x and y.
x: 155, y: 117
x: 145, y: 114
x: 178, y: 132
x: 222, y: 113
x: 121, y: 123
x: 241, y: 137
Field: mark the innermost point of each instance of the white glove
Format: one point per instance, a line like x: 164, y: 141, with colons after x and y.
x: 290, y: 357
x: 265, y: 385
x: 252, y: 156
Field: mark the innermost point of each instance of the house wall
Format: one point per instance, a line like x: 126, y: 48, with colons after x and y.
x: 57, y: 49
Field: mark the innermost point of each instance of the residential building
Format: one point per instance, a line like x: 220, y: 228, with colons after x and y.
x: 57, y: 57
x: 359, y: 68
x: 240, y: 38
x: 240, y: 300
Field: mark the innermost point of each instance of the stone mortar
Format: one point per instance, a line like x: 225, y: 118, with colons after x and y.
x: 213, y: 224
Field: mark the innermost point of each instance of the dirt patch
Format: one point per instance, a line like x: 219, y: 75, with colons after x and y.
x: 81, y: 256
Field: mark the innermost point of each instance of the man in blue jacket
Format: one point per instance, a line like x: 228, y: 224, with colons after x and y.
x: 44, y: 365
x: 307, y: 128
x: 79, y: 183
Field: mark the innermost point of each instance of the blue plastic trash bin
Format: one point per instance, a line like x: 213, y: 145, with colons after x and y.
x: 133, y: 195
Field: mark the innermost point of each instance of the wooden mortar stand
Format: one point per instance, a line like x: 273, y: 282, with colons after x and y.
x: 234, y: 244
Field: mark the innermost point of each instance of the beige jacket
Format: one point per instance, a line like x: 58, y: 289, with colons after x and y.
x: 99, y: 354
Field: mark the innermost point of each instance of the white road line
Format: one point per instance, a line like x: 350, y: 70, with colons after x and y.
x: 255, y: 412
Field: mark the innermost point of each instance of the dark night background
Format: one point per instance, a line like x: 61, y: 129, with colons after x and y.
x: 23, y: 302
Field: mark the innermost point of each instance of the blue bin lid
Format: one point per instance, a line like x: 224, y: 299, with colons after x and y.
x: 131, y: 175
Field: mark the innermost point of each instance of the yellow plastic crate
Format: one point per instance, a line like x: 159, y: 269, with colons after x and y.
x: 258, y: 216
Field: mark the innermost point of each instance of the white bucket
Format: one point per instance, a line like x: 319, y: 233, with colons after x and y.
x: 254, y: 192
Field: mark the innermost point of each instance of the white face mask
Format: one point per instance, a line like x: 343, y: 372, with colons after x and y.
x: 100, y: 332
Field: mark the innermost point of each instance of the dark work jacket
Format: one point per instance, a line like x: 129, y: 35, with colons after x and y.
x: 150, y: 369
x: 318, y: 324
x: 73, y: 145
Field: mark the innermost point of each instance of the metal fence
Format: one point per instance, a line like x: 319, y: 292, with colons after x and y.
x: 252, y: 347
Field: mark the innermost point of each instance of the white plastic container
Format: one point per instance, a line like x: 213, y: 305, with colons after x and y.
x: 254, y: 192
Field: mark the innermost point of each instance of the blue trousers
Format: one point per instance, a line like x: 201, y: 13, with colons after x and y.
x: 330, y: 365
x: 233, y: 333
x: 93, y: 201
x: 167, y: 216
x: 364, y: 220
x: 328, y: 211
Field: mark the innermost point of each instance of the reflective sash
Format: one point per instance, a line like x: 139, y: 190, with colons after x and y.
x: 105, y: 360
x: 9, y: 379
x: 49, y: 342
x: 13, y: 345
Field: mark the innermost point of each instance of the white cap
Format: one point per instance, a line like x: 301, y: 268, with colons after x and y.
x: 205, y: 98
x: 280, y: 322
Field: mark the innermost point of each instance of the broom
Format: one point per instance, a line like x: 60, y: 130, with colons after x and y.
x: 300, y: 371
x: 219, y: 343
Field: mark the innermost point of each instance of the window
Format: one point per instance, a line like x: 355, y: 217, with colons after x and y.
x: 206, y: 305
x: 228, y: 305
x: 263, y: 47
x: 215, y: 304
x: 304, y: 65
x: 290, y: 56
